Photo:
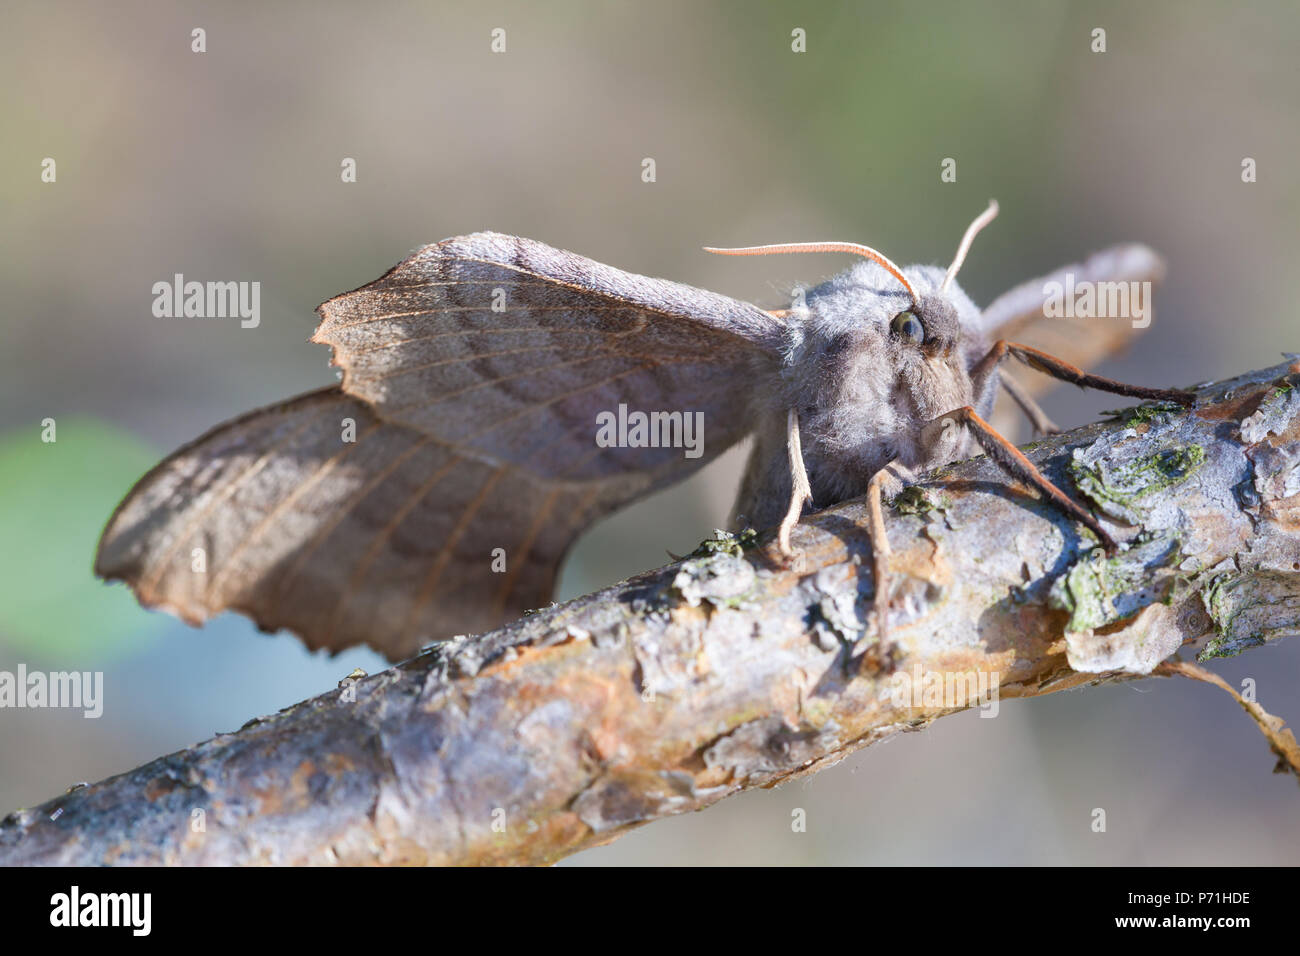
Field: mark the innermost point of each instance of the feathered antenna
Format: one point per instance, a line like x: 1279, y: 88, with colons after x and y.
x: 973, y: 230
x: 849, y: 247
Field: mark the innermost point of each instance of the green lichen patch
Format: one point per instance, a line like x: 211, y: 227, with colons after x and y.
x: 1248, y: 609
x: 1142, y: 414
x: 725, y: 542
x: 915, y: 500
x: 1120, y: 487
x: 1216, y: 597
x: 1223, y: 646
x: 1100, y: 590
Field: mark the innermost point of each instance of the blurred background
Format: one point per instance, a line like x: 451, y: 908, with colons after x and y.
x: 225, y: 165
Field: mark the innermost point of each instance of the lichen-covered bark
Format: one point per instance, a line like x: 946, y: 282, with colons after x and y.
x: 722, y: 672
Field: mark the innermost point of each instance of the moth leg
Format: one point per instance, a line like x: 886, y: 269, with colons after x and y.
x: 880, y: 550
x: 800, y: 490
x: 1043, y: 425
x: 1059, y: 368
x: 1012, y: 461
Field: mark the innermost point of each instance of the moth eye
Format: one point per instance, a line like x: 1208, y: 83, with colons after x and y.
x: 908, y: 328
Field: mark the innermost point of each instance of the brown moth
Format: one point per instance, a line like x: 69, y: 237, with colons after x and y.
x: 436, y: 490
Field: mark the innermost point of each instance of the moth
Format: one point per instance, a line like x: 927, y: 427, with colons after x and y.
x: 437, y: 488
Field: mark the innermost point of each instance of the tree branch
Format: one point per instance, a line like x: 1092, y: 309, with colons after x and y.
x: 724, y: 671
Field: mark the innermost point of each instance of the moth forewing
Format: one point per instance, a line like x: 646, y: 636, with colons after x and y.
x: 437, y: 490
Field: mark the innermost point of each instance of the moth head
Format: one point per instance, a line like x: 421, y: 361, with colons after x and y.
x: 875, y: 314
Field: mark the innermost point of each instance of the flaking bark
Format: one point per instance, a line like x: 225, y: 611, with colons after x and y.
x: 725, y: 671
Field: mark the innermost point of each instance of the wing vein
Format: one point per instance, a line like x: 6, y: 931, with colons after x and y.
x: 360, y: 569
x: 284, y: 503
x: 525, y: 548
x: 154, y: 572
x: 444, y: 553
x: 512, y: 330
x: 447, y: 309
x: 467, y: 359
x: 355, y: 499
